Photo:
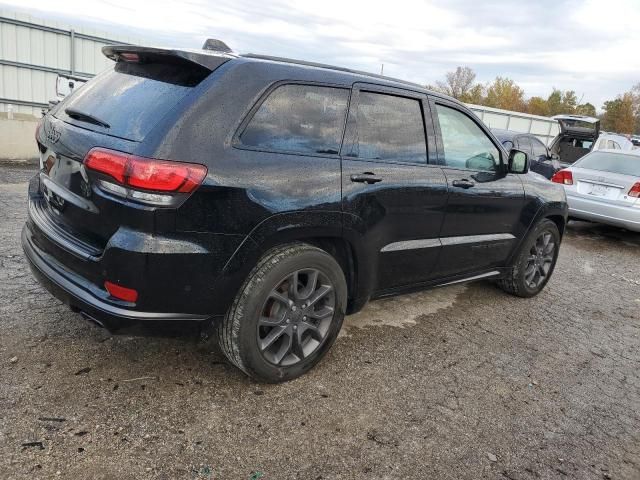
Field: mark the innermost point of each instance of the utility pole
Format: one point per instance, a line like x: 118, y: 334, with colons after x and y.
x: 382, y: 69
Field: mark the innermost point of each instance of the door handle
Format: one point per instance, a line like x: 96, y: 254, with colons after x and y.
x: 464, y: 183
x: 366, y: 177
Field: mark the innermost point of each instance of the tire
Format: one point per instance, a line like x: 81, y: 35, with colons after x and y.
x: 516, y: 281
x: 268, y: 307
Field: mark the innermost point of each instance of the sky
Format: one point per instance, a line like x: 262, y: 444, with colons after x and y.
x: 592, y: 47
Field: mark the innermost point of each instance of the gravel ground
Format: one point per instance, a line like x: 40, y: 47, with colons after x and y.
x: 462, y: 382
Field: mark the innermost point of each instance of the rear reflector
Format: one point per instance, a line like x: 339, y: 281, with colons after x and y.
x: 635, y: 190
x: 146, y: 173
x: 564, y: 177
x: 120, y: 292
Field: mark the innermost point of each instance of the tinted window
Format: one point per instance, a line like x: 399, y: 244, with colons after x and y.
x: 131, y: 98
x: 539, y: 150
x: 524, y: 144
x: 611, y: 162
x: 299, y: 118
x: 465, y: 144
x: 390, y: 128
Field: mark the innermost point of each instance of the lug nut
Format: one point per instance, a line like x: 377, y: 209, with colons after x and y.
x: 293, y: 308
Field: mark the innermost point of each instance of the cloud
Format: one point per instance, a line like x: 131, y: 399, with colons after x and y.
x: 585, y: 46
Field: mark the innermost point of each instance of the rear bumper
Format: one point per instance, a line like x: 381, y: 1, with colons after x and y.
x: 601, y: 212
x: 80, y: 294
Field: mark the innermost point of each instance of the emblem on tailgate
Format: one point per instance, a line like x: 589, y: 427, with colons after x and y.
x: 53, y: 135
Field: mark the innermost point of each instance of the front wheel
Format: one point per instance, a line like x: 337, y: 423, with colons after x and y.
x: 534, y: 263
x: 287, y: 314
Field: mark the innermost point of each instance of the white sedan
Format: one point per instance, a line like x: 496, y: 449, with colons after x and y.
x: 604, y: 187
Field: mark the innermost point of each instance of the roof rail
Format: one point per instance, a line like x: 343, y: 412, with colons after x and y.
x: 329, y: 67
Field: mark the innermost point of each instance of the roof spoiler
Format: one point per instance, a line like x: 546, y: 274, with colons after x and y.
x: 209, y: 59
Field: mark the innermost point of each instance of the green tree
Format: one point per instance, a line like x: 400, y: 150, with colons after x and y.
x: 562, y: 102
x: 538, y: 106
x: 620, y: 114
x: 506, y: 94
x: 586, y: 109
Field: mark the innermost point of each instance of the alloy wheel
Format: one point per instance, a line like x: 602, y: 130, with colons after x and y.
x: 539, y: 260
x: 296, y: 317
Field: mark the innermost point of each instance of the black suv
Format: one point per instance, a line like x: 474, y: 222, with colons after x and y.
x: 266, y: 198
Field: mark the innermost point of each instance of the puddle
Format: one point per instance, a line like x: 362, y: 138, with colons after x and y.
x: 403, y: 310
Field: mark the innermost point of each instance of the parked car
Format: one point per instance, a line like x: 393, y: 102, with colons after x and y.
x: 266, y: 198
x: 577, y: 136
x: 604, y: 187
x: 540, y: 159
x: 612, y: 141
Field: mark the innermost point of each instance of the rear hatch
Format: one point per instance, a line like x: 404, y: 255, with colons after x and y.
x: 116, y: 111
x: 579, y: 126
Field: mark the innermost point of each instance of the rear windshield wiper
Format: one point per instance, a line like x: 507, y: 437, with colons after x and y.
x: 85, y: 117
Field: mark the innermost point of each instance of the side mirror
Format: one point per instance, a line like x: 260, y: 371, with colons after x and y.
x: 518, y: 162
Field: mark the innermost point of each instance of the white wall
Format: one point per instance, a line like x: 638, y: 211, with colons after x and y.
x: 30, y: 45
x: 17, y: 139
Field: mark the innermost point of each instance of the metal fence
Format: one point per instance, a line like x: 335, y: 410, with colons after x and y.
x: 544, y: 128
x: 34, y: 52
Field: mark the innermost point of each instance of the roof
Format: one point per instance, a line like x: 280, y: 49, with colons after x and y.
x: 333, y: 67
x: 214, y: 58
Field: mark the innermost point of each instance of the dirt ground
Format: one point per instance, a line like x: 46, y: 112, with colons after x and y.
x: 463, y: 382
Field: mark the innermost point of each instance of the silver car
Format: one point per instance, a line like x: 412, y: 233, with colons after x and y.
x: 604, y: 187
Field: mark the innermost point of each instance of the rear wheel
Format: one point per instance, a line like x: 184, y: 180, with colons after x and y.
x: 287, y: 314
x: 535, y: 262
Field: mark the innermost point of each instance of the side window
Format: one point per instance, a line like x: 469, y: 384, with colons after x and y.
x: 616, y: 145
x: 299, y: 118
x: 389, y: 128
x: 465, y: 144
x: 539, y: 150
x: 524, y: 144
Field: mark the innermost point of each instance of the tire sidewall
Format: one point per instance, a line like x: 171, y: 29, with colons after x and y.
x: 263, y: 280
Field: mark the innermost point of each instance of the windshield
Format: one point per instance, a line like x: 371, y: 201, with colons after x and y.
x: 611, y: 162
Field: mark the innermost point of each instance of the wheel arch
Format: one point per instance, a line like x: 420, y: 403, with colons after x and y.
x: 322, y: 229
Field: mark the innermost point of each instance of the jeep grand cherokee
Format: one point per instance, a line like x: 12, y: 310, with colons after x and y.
x: 267, y: 198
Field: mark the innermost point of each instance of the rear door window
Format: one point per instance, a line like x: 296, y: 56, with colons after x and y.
x: 389, y: 128
x: 524, y: 144
x: 131, y: 98
x: 539, y: 149
x: 304, y: 119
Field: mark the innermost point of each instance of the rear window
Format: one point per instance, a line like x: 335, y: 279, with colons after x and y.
x: 390, y: 128
x: 131, y: 98
x: 611, y: 162
x: 299, y: 118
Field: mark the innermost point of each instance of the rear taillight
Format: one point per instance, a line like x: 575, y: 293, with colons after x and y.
x: 564, y: 177
x: 635, y: 190
x: 148, y: 174
x: 120, y: 292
